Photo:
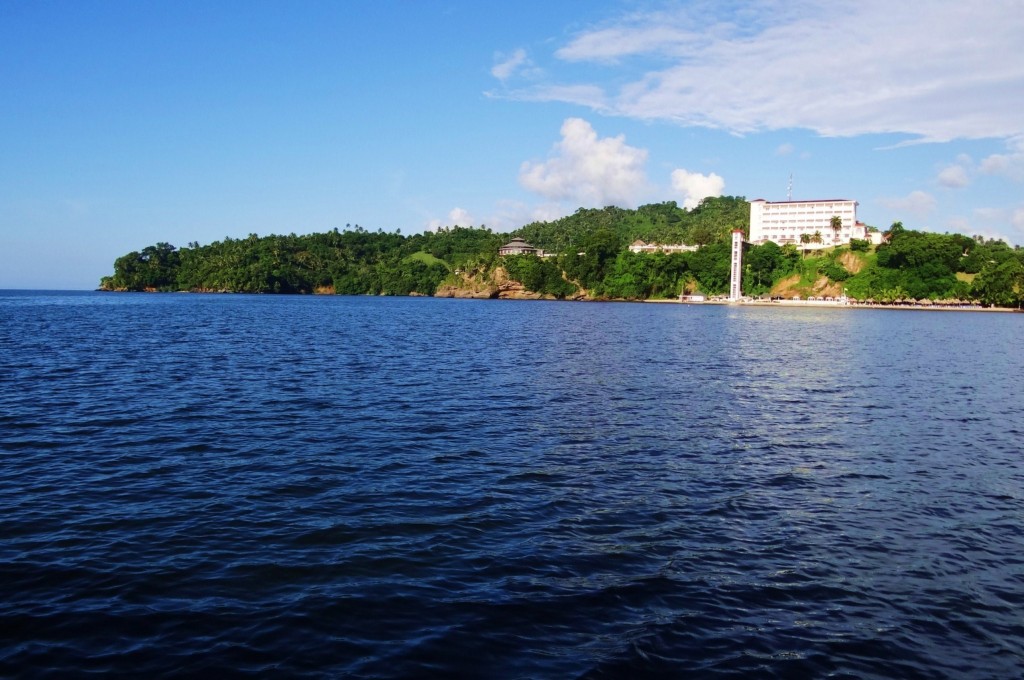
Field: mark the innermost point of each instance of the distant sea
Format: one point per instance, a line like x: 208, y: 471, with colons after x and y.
x: 231, y: 485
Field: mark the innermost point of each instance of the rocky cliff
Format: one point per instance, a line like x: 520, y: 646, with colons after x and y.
x: 487, y: 285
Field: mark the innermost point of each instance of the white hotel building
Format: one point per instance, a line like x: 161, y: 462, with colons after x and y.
x: 784, y: 221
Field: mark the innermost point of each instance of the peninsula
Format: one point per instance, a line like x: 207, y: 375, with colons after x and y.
x: 655, y: 252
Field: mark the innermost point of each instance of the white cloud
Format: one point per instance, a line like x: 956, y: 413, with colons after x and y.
x: 695, y: 186
x: 916, y: 203
x: 588, y: 170
x: 509, y: 64
x: 784, y: 150
x: 611, y: 44
x: 460, y: 217
x: 958, y: 225
x: 954, y: 177
x: 590, y: 96
x: 990, y: 214
x: 546, y: 212
x: 457, y: 217
x: 998, y: 223
x: 938, y: 71
x: 1010, y: 164
x: 996, y: 164
x: 1018, y: 219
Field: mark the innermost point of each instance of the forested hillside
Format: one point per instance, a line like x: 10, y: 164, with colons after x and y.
x: 589, y: 259
x: 712, y: 220
x: 350, y: 262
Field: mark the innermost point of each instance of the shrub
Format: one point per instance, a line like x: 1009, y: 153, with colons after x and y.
x: 833, y: 270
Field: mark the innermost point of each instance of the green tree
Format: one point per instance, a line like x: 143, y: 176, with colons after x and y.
x: 763, y: 262
x: 833, y: 270
x: 600, y: 248
x: 710, y: 266
x: 155, y: 268
x: 540, y: 275
x: 837, y: 226
x: 1001, y: 284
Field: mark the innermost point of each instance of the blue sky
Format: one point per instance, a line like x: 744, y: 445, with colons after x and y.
x: 127, y: 123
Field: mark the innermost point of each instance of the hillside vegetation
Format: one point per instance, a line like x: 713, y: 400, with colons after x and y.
x: 589, y: 259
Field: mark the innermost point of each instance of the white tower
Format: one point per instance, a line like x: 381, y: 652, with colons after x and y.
x: 736, y: 269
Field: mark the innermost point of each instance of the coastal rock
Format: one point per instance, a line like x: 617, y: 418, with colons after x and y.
x: 513, y: 290
x: 508, y: 289
x: 466, y: 292
x: 789, y: 288
x: 851, y: 262
x: 468, y: 288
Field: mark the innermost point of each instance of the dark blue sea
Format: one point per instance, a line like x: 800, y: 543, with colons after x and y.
x: 227, y: 485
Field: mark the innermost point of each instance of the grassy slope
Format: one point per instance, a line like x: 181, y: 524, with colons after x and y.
x: 427, y: 259
x: 807, y: 282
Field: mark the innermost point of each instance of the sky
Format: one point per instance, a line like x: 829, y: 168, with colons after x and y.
x: 126, y: 123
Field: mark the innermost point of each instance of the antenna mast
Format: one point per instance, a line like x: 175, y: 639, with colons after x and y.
x: 789, y: 194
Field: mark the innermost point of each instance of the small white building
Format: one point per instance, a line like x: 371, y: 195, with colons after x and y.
x: 639, y: 246
x: 784, y: 222
x: 518, y: 246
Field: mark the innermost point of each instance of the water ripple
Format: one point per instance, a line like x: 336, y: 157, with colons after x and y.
x: 245, y: 485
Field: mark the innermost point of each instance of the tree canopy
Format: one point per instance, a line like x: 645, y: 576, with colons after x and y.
x: 589, y: 252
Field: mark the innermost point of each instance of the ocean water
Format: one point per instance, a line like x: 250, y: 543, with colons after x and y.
x: 406, y: 487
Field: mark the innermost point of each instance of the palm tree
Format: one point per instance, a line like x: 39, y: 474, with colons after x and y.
x: 804, y: 240
x: 837, y: 226
x: 896, y: 228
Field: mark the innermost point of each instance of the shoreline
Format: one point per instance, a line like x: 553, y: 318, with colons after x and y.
x: 798, y: 304
x: 792, y: 304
